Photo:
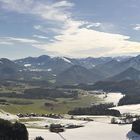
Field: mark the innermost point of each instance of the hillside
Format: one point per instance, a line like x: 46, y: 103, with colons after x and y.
x: 78, y: 74
x: 129, y: 74
x: 9, y: 69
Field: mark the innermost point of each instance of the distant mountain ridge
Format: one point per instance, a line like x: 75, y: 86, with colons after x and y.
x: 78, y: 74
x: 71, y: 70
x: 59, y: 64
x: 128, y: 74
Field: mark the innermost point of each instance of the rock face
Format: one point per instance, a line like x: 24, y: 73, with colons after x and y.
x: 136, y: 126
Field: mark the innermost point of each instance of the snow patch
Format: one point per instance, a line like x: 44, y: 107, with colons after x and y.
x: 7, y: 116
x: 63, y: 58
x: 27, y: 65
x: 1, y: 62
x: 132, y: 109
x: 112, y: 97
x: 66, y: 60
x: 91, y: 131
x: 49, y: 69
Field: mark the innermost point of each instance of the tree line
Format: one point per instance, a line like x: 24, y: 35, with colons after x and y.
x: 12, y: 131
x: 41, y: 93
x: 101, y: 109
x: 129, y: 99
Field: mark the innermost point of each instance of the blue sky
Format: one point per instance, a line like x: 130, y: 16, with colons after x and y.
x: 72, y: 28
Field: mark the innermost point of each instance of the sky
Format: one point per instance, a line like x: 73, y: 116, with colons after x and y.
x: 71, y: 28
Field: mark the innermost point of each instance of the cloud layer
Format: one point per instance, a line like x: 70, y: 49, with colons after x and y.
x: 73, y: 38
x: 83, y: 42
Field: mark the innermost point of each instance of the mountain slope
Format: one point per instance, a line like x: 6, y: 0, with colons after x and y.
x: 116, y: 66
x: 9, y: 69
x: 59, y: 64
x: 132, y: 62
x: 129, y: 74
x: 45, y: 63
x: 46, y: 67
x: 110, y: 68
x: 77, y: 74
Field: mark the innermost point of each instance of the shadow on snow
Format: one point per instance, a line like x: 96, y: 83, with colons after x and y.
x: 132, y: 136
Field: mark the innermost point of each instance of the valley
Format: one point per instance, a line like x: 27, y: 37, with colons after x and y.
x: 38, y: 126
x: 91, y: 93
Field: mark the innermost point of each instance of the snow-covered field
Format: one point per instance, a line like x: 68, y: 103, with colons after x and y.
x: 47, y: 121
x: 111, y: 97
x: 99, y: 129
x: 7, y: 116
x: 91, y: 131
x: 132, y: 109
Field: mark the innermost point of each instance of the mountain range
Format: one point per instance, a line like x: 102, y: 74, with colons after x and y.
x: 66, y: 70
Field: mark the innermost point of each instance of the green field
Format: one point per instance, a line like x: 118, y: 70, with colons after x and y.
x: 60, y: 106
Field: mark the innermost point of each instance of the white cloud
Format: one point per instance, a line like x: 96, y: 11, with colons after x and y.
x: 137, y: 27
x: 51, y: 11
x: 47, y: 29
x: 84, y: 42
x: 40, y: 36
x: 63, y: 4
x: 5, y: 43
x: 37, y: 27
x: 76, y: 38
x: 41, y: 28
x: 97, y: 24
x: 13, y: 40
x: 22, y: 40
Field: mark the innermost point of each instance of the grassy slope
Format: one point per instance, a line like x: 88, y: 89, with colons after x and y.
x: 61, y: 106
